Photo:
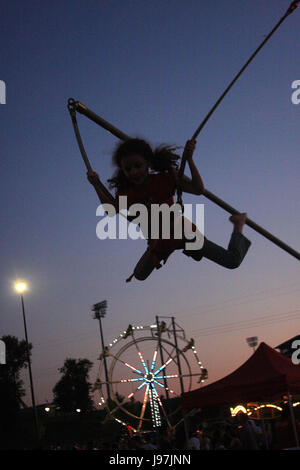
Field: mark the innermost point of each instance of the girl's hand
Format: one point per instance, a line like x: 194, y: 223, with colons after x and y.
x: 189, y: 149
x: 93, y: 177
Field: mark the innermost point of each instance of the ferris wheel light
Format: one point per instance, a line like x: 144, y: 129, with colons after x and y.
x: 144, y: 383
x: 161, y: 385
x: 154, y: 375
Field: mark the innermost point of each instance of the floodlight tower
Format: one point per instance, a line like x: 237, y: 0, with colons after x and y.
x: 252, y: 342
x: 99, y: 310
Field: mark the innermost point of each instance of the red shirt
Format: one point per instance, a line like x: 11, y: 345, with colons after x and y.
x: 158, y: 189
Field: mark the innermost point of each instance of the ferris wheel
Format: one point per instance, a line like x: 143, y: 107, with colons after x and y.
x: 143, y: 372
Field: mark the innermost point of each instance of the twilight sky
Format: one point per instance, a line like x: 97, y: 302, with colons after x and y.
x: 153, y: 69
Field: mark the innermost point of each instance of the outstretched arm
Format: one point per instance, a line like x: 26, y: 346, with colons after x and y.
x: 104, y: 198
x: 193, y: 185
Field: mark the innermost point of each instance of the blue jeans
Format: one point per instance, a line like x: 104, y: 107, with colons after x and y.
x: 230, y: 258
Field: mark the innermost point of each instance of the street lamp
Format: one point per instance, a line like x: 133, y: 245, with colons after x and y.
x: 21, y: 287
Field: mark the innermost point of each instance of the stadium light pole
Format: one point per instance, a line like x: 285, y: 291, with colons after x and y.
x: 252, y: 342
x: 21, y: 287
x: 99, y: 310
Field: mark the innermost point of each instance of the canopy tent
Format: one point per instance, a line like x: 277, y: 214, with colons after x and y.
x: 266, y: 375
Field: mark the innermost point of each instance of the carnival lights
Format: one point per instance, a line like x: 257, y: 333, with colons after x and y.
x: 153, y: 373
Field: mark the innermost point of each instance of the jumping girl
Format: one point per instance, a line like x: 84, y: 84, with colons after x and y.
x: 151, y: 177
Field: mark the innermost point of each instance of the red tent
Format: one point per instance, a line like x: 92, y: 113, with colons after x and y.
x: 266, y: 375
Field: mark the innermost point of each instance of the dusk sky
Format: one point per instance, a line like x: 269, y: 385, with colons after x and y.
x: 153, y: 69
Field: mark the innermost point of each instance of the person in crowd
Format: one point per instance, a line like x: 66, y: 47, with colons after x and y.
x: 284, y: 430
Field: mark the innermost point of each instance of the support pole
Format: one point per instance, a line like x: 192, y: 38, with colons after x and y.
x: 104, y: 358
x: 181, y: 381
x: 162, y: 361
x: 34, y: 409
x: 99, y: 310
x: 77, y: 106
x: 293, y: 419
x: 212, y: 197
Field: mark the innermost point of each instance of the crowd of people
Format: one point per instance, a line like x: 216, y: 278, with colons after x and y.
x: 241, y: 433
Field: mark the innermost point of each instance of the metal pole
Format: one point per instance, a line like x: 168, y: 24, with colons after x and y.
x: 293, y: 419
x: 265, y: 433
x: 104, y: 357
x: 180, y: 379
x: 30, y: 373
x: 81, y: 108
x: 209, y: 195
x: 252, y: 224
x: 162, y: 362
x: 99, y: 310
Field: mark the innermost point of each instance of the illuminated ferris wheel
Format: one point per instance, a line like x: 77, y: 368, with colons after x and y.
x: 143, y: 372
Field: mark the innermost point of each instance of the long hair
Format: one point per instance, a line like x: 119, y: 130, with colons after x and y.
x: 162, y: 159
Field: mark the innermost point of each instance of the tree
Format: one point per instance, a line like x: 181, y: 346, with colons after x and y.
x: 11, y: 386
x: 72, y: 391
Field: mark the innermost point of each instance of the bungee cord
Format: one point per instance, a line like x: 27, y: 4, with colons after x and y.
x: 290, y: 10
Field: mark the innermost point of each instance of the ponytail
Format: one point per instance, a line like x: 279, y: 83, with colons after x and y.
x: 164, y: 158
